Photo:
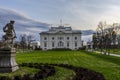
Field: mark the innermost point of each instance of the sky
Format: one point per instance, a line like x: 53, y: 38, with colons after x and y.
x: 80, y: 14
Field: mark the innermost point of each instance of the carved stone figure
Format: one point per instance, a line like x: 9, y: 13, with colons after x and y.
x: 8, y: 52
x: 9, y: 34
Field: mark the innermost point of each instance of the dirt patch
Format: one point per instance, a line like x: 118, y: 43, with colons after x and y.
x: 49, y: 70
x: 44, y: 72
x: 82, y: 73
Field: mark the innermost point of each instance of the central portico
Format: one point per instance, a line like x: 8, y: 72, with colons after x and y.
x: 61, y: 37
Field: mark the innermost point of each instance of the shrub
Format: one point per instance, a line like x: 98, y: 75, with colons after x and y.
x: 60, y: 49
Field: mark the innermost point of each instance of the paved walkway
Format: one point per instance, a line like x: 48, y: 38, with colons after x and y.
x: 117, y: 55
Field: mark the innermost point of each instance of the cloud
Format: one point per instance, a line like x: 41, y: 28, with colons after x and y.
x: 23, y: 24
x: 35, y: 29
x: 87, y: 38
x: 86, y: 14
x: 21, y: 19
x: 87, y: 35
x: 87, y: 32
x: 28, y: 26
x: 23, y: 33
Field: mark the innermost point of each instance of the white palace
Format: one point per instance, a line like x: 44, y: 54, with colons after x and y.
x: 61, y: 37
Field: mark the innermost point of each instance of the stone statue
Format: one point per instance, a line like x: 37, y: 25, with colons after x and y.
x: 8, y: 52
x: 10, y: 35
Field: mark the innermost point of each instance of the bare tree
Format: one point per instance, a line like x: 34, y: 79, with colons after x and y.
x: 117, y: 31
x: 95, y: 41
x: 100, y: 35
x: 23, y: 42
x: 29, y: 40
x: 105, y: 37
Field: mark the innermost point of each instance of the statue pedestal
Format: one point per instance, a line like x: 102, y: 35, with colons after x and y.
x: 7, y: 61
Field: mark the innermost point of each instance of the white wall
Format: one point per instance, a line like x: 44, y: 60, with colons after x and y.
x: 56, y: 40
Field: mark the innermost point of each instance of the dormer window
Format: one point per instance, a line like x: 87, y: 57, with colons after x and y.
x: 68, y: 28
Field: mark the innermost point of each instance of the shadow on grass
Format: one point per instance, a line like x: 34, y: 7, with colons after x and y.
x: 113, y: 59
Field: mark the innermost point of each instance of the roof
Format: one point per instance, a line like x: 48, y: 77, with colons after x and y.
x: 61, y: 29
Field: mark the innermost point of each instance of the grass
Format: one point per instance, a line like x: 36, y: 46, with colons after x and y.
x: 62, y: 74
x: 115, y: 51
x: 109, y: 66
x: 21, y: 71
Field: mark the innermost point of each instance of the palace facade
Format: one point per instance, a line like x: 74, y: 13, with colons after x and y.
x: 61, y: 37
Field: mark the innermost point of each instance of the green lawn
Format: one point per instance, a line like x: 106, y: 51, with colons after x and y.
x: 115, y: 51
x: 62, y: 74
x: 21, y: 71
x: 109, y: 66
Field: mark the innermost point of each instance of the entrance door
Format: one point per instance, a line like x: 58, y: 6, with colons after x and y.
x: 60, y: 44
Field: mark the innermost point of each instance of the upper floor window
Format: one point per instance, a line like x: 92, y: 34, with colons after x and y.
x: 45, y: 38
x: 60, y: 38
x: 53, y: 38
x: 67, y: 38
x: 75, y: 38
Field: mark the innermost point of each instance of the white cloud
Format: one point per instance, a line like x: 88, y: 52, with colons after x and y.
x: 86, y: 14
x: 33, y: 29
x: 23, y: 24
x: 23, y: 32
x: 87, y: 38
x: 80, y: 14
x: 16, y: 12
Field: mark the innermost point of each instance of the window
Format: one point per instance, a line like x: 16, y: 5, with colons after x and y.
x: 67, y: 44
x: 53, y: 44
x: 60, y: 38
x: 45, y: 38
x: 67, y: 38
x: 52, y: 38
x: 45, y: 44
x: 60, y: 44
x: 75, y: 44
x: 75, y: 38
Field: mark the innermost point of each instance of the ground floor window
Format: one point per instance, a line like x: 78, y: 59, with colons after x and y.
x: 53, y: 44
x: 67, y: 44
x: 45, y: 44
x: 75, y: 44
x: 60, y: 44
